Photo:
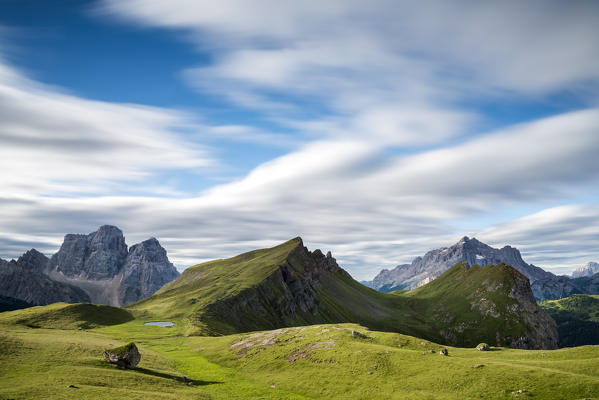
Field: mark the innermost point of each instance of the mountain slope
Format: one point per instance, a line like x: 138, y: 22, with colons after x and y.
x: 577, y: 319
x: 288, y: 285
x: 435, y: 262
x: 67, y: 316
x: 25, y: 280
x: 562, y: 286
x: 10, y: 304
x: 498, y: 297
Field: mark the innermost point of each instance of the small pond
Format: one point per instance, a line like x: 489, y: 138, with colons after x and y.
x: 163, y: 324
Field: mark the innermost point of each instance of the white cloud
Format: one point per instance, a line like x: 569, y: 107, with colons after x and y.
x: 372, y: 210
x: 57, y: 143
x: 561, y: 238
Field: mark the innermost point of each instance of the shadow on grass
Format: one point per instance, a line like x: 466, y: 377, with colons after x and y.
x: 182, y: 379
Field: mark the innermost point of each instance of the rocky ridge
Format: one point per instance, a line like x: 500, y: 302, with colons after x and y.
x: 425, y: 269
x: 563, y: 286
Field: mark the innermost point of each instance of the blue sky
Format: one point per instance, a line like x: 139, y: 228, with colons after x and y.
x: 378, y: 130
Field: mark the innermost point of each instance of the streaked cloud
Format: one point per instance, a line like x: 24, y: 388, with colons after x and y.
x: 388, y: 149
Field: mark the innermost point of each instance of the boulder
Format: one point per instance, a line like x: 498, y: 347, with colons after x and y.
x: 483, y: 347
x: 123, y: 357
x: 358, y: 334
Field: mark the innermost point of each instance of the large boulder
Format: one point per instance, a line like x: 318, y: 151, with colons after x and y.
x: 123, y: 357
x: 483, y: 347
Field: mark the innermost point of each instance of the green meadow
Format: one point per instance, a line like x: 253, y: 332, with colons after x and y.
x: 43, y: 350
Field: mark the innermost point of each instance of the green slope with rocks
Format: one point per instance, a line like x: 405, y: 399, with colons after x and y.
x: 288, y: 285
x: 577, y: 319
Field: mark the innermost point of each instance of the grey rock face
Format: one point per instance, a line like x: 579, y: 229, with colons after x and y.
x: 25, y: 280
x: 286, y: 296
x: 100, y: 264
x: 424, y: 269
x: 126, y: 357
x: 99, y: 255
x: 588, y: 269
x: 93, y: 268
x: 556, y: 287
x: 146, y: 270
x: 562, y: 286
x: 541, y: 328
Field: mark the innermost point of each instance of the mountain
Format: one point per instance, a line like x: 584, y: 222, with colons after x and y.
x: 425, y: 269
x: 96, y: 268
x: 25, y: 280
x: 146, y: 269
x: 99, y: 255
x: 288, y: 285
x: 588, y: 269
x: 562, y: 286
x: 577, y: 319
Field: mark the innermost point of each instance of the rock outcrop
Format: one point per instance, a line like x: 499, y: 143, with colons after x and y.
x: 424, y: 269
x: 125, y: 357
x: 286, y: 297
x: 95, y: 268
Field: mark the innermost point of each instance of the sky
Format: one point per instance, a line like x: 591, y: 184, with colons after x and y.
x: 375, y: 129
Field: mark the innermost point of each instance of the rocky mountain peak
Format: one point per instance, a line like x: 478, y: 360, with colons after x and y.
x: 102, y: 265
x: 33, y: 260
x: 589, y: 269
x: 98, y: 255
x: 474, y: 252
x: 146, y: 269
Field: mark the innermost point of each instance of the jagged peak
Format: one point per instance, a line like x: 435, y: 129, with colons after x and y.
x: 151, y: 242
x: 33, y: 255
x: 109, y: 228
x: 297, y: 239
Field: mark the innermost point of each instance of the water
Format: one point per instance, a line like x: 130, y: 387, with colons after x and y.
x: 163, y: 324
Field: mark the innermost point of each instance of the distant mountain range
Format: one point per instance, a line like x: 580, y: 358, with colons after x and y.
x: 424, y: 269
x: 589, y: 269
x: 96, y: 268
x: 288, y: 285
x: 544, y: 284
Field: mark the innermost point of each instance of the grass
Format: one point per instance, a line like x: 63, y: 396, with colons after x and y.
x: 311, y: 362
x: 67, y: 316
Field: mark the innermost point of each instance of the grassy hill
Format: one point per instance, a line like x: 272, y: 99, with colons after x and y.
x: 288, y: 285
x: 577, y: 318
x: 67, y: 316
